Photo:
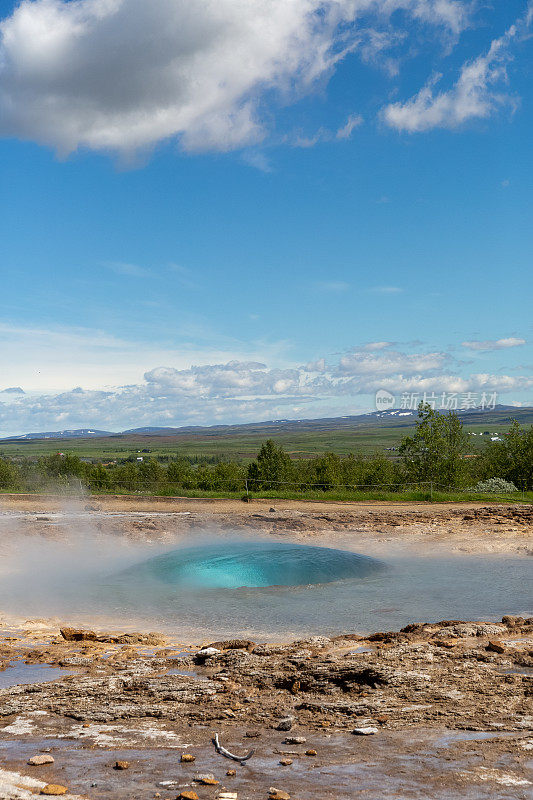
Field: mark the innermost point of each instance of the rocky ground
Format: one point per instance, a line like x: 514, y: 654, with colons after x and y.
x: 463, y: 527
x: 437, y: 710
x: 429, y: 710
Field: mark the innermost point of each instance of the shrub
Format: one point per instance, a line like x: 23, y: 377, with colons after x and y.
x: 495, y: 485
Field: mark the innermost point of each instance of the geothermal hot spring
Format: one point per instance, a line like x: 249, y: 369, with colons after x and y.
x: 227, y: 585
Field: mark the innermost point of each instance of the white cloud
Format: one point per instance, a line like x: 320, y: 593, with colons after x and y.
x: 498, y: 344
x: 122, y: 75
x: 239, y: 391
x: 390, y: 362
x: 316, y: 366
x: 371, y: 346
x: 386, y: 289
x: 476, y: 95
x: 353, y: 122
x: 258, y: 160
x: 55, y: 359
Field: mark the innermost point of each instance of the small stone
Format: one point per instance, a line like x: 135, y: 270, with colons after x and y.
x: 205, y: 653
x: 187, y: 794
x: 231, y: 773
x: 369, y: 730
x: 285, y: 762
x: 207, y: 780
x: 310, y: 753
x: 295, y: 740
x: 38, y: 761
x: 253, y: 734
x: 272, y: 510
x: 495, y: 647
x: 122, y: 765
x: 187, y: 758
x: 285, y: 724
x: 228, y: 796
x: 278, y: 794
x: 54, y: 789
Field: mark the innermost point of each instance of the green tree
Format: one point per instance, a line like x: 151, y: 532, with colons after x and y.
x: 436, y: 450
x: 180, y: 472
x: 271, y: 467
x: 61, y: 465
x: 325, y: 471
x: 9, y: 475
x: 511, y: 459
x: 99, y: 477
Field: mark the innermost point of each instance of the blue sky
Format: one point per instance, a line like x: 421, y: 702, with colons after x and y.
x: 329, y: 196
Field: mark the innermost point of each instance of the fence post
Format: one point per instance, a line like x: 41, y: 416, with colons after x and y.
x: 246, y: 484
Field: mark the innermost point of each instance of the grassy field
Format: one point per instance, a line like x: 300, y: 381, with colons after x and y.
x: 239, y: 445
x: 347, y: 496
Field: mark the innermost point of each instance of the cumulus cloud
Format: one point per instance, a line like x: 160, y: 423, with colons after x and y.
x: 476, y: 94
x: 248, y: 390
x: 497, y: 344
x: 126, y: 74
x: 364, y: 362
x: 234, y: 379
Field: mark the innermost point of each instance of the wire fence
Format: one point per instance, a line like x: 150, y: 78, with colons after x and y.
x: 250, y: 487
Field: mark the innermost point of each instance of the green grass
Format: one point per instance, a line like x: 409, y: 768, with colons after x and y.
x: 242, y: 446
x: 402, y: 496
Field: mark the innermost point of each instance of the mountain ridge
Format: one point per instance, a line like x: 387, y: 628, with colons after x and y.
x: 404, y: 417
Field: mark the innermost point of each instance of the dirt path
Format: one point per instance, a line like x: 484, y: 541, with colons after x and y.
x: 122, y: 503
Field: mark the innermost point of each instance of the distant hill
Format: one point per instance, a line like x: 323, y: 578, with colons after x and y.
x: 376, y: 419
x: 81, y: 433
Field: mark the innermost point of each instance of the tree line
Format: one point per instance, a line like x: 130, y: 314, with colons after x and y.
x: 438, y: 452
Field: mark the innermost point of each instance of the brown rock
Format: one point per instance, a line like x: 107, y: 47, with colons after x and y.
x: 53, y: 789
x: 231, y: 773
x: 206, y: 780
x: 38, y: 761
x: 187, y: 794
x: 285, y: 762
x: 187, y: 758
x: 278, y: 794
x: 122, y: 765
x: 234, y: 644
x: 310, y: 753
x: 82, y: 635
x: 495, y: 647
x: 78, y: 635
